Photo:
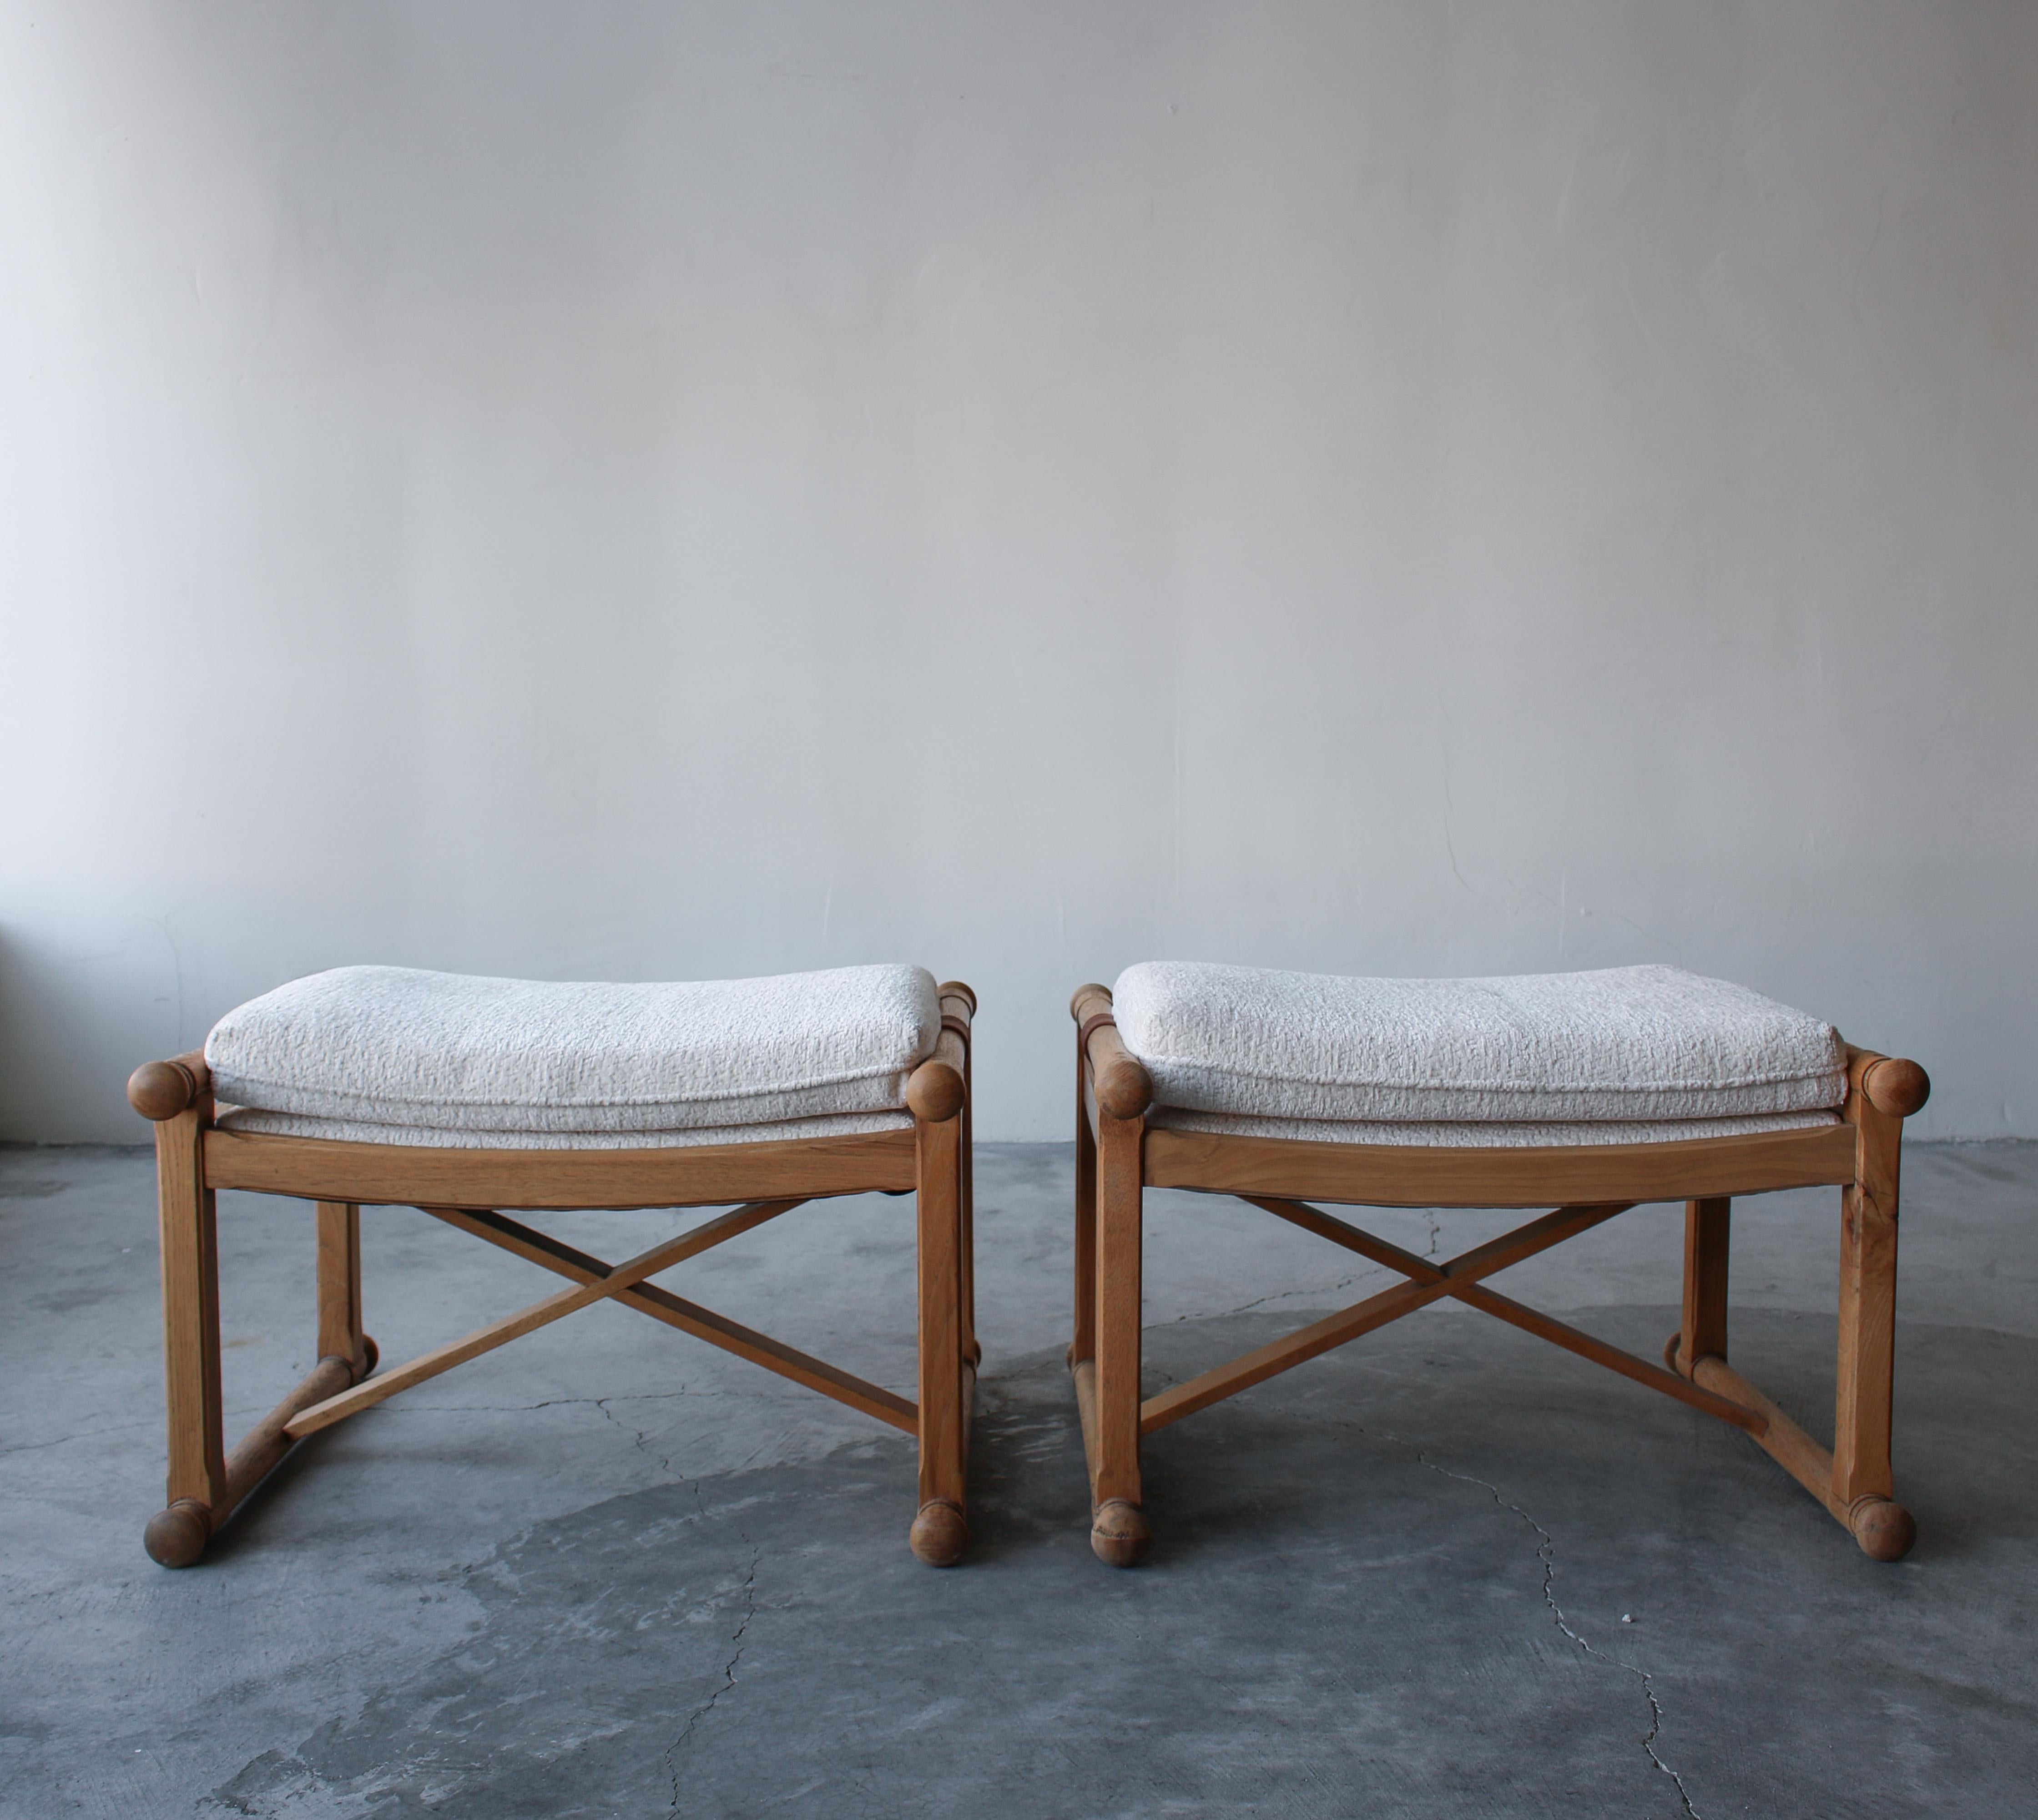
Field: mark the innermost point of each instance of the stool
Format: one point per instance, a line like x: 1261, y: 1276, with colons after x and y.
x: 466, y: 1096
x: 1589, y: 1092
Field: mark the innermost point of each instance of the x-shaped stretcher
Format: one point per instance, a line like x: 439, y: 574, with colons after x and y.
x: 623, y: 1282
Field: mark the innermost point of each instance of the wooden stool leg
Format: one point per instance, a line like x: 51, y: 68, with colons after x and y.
x: 176, y: 1536
x: 339, y: 1335
x: 972, y: 1348
x: 1708, y: 1229
x: 1083, y: 1346
x: 1118, y: 1531
x: 940, y: 1532
x: 1863, y: 1482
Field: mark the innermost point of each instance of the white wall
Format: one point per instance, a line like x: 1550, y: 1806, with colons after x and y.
x: 642, y: 490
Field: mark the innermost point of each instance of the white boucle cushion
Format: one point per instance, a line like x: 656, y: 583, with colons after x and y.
x: 1629, y: 1043
x: 447, y: 1053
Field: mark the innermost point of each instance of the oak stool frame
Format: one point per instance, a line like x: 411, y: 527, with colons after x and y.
x: 1118, y: 1154
x: 469, y: 1188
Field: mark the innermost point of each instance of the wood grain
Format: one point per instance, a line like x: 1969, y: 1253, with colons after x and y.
x: 1504, y: 1308
x: 339, y: 1242
x: 699, y: 1175
x: 943, y: 1435
x: 1708, y: 1232
x: 1392, y: 1175
x: 486, y: 1339
x: 689, y: 1318
x: 1118, y: 1310
x: 1335, y: 1330
x: 1865, y: 1376
x: 189, y: 1236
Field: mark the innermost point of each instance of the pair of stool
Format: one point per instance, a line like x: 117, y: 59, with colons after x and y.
x: 476, y: 1099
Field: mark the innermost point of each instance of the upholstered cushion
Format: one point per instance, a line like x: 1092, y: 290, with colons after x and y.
x: 394, y: 1047
x: 1629, y: 1044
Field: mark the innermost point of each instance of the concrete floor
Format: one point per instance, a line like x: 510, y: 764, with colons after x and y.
x: 1448, y: 1570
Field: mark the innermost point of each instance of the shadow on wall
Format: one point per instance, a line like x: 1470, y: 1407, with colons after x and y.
x: 74, y: 990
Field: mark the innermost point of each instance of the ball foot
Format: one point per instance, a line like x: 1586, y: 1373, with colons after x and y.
x: 1119, y: 1535
x: 1886, y: 1531
x: 939, y: 1534
x: 177, y: 1537
x: 373, y: 1355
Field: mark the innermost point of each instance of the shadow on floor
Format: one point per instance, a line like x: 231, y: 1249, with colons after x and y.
x: 1446, y: 1572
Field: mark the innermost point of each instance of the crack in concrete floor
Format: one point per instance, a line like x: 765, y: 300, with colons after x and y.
x: 700, y: 1712
x: 1546, y: 1550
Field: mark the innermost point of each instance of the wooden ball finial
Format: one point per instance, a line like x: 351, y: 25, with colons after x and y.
x: 1124, y: 1089
x: 939, y: 1534
x: 1896, y: 1086
x: 934, y: 1092
x: 1119, y: 1534
x: 176, y: 1538
x: 159, y: 1090
x: 1886, y: 1531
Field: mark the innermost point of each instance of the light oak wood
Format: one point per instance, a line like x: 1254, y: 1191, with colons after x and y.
x: 486, y: 1339
x: 1118, y: 1079
x: 189, y: 1221
x: 959, y: 1009
x: 935, y: 1090
x: 1393, y: 1175
x: 266, y: 1443
x: 159, y: 1090
x: 1083, y: 1345
x: 1084, y: 1373
x: 1867, y: 1360
x: 1895, y: 1087
x: 1860, y: 1154
x: 688, y: 1318
x: 1708, y: 1231
x: 1333, y: 1330
x: 695, y: 1175
x: 938, y: 1534
x: 1782, y: 1438
x: 466, y: 1189
x: 339, y: 1241
x: 1115, y: 1472
x: 1529, y: 1320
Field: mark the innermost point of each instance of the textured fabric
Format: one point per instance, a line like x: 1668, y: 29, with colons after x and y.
x: 350, y: 1131
x: 1627, y: 1044
x: 392, y: 1046
x: 1493, y: 1135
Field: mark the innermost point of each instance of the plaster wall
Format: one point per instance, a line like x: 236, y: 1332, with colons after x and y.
x: 640, y: 491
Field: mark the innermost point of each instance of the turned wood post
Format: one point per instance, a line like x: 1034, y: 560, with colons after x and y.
x: 177, y: 1096
x: 339, y: 1334
x: 1882, y: 1092
x: 1082, y: 1345
x: 1118, y: 1533
x: 1708, y: 1230
x: 956, y: 1016
x: 936, y: 1095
